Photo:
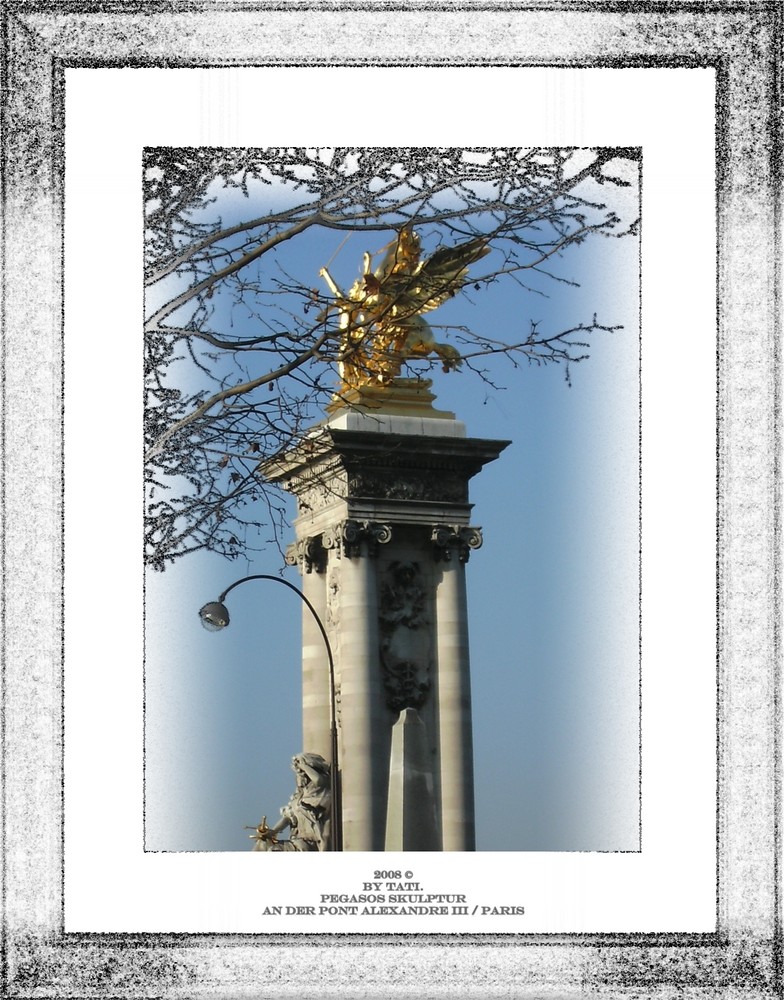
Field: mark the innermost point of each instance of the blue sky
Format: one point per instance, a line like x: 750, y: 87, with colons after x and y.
x: 553, y: 607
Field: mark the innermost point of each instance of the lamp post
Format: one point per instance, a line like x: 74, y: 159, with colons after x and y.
x: 215, y: 616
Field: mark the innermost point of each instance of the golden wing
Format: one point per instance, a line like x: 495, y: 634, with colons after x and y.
x: 436, y: 279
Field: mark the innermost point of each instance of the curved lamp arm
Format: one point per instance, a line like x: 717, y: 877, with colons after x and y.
x: 215, y: 616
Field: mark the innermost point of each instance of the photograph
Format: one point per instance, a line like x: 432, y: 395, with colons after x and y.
x: 393, y: 485
x: 275, y: 344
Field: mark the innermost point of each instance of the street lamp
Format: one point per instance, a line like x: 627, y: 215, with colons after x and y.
x: 215, y: 616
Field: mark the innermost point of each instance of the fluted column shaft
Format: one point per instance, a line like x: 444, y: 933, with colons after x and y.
x: 309, y: 555
x: 364, y: 758
x: 361, y: 700
x: 315, y: 670
x: 453, y: 685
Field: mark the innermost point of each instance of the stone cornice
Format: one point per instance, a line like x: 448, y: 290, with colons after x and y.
x: 385, y: 466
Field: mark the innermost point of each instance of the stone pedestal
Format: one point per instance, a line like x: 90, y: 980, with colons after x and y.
x: 383, y: 538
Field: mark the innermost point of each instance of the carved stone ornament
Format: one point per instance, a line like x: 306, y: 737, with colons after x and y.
x: 309, y: 553
x: 347, y: 537
x: 338, y: 704
x: 316, y: 495
x: 405, y: 637
x: 447, y: 538
x: 409, y: 486
x: 333, y: 599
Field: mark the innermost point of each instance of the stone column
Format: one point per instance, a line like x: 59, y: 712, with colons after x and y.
x: 310, y: 556
x: 453, y: 686
x: 396, y: 462
x: 364, y: 757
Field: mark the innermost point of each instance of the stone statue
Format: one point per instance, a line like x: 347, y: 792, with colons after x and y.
x: 307, y: 812
x: 381, y: 319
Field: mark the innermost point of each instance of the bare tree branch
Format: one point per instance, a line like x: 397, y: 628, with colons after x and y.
x: 228, y: 287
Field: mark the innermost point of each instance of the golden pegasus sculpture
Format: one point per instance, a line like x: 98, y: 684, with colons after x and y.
x: 381, y: 316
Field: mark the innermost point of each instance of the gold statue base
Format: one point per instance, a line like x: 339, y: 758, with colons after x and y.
x: 403, y: 397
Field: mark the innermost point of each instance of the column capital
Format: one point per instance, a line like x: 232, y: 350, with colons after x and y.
x: 308, y: 554
x: 447, y: 538
x: 347, y: 537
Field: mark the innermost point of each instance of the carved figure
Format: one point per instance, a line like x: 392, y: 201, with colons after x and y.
x: 333, y: 599
x: 405, y: 638
x: 307, y: 812
x: 380, y: 317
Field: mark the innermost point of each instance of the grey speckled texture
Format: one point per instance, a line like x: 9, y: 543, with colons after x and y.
x: 740, y: 959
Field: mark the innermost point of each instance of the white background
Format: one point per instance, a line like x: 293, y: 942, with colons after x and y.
x: 111, y: 884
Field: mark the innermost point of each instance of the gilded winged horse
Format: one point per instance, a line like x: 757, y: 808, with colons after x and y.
x: 381, y: 316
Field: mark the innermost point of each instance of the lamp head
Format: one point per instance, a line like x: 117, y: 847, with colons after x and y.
x: 214, y: 616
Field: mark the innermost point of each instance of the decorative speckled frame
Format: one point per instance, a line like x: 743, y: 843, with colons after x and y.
x: 742, y: 41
